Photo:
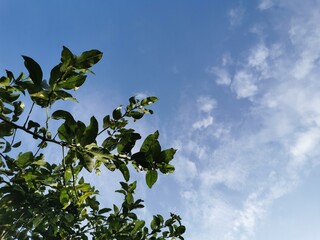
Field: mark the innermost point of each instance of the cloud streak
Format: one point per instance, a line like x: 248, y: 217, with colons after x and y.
x: 235, y: 177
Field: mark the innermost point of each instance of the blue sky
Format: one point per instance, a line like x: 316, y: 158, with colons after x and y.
x: 238, y: 83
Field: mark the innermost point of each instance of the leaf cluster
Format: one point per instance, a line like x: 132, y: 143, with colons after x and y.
x: 45, y: 200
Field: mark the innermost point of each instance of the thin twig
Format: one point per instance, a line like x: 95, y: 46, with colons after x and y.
x: 25, y: 123
x: 34, y: 134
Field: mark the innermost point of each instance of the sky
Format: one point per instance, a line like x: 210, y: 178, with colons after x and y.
x: 238, y: 83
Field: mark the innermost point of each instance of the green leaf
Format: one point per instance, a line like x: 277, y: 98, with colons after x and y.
x: 148, y: 101
x: 17, y: 144
x: 91, y: 132
x: 110, y: 143
x: 151, y: 177
x: 166, y: 168
x: 4, y: 81
x: 7, y: 148
x: 36, y: 221
x: 61, y: 114
x: 104, y: 210
x: 34, y: 70
x: 25, y: 159
x: 64, y: 198
x: 73, y: 82
x: 6, y: 129
x: 67, y: 59
x: 88, y: 58
x: 41, y: 98
x: 138, y: 225
x: 116, y: 114
x: 149, y: 142
x: 32, y: 124
x: 136, y: 115
x: 167, y: 155
x: 9, y: 74
x: 86, y: 160
x: 180, y: 230
x: 106, y: 121
x: 18, y: 108
x: 129, y: 198
x: 64, y: 95
x: 125, y: 171
x: 66, y: 132
x: 55, y: 75
x: 67, y: 174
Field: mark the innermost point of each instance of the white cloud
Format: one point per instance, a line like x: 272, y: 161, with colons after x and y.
x: 206, y: 104
x: 186, y: 170
x: 265, y: 4
x: 258, y: 56
x: 203, y: 123
x: 236, y: 16
x: 244, y: 84
x: 305, y: 144
x: 223, y: 77
x: 264, y: 155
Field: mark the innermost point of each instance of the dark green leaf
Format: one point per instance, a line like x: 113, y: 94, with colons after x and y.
x: 34, y: 70
x: 18, y: 108
x: 180, y: 230
x: 6, y: 129
x: 116, y: 114
x: 59, y: 94
x: 55, y: 75
x: 91, y: 132
x: 110, y: 143
x: 88, y: 58
x: 66, y: 132
x: 104, y: 210
x: 125, y: 171
x: 106, y: 122
x: 73, y: 82
x: 67, y: 59
x: 136, y: 114
x: 32, y: 124
x: 17, y: 144
x: 149, y: 142
x: 61, y: 114
x: 151, y: 177
x: 9, y: 74
x: 167, y: 155
x: 7, y: 148
x: 86, y: 160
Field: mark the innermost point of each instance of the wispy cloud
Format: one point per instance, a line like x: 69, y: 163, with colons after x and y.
x: 237, y: 176
x: 236, y: 16
x: 265, y: 4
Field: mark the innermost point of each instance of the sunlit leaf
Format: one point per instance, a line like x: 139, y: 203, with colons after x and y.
x: 88, y: 58
x: 148, y: 101
x: 25, y: 159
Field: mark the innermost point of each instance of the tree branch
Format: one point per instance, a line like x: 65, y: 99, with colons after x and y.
x: 35, y: 135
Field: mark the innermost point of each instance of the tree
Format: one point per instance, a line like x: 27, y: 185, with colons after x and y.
x: 41, y: 199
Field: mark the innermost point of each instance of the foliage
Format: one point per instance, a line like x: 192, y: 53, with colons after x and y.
x: 44, y: 200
